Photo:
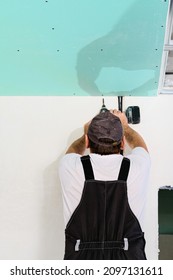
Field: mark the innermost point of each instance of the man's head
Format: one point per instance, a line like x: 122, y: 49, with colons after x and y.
x: 105, y: 134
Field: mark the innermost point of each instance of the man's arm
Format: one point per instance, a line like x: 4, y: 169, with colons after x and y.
x: 78, y: 146
x: 133, y: 138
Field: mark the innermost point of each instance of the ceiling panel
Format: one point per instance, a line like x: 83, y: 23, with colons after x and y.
x: 74, y: 47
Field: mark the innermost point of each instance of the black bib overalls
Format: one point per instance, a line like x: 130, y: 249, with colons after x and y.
x: 103, y: 227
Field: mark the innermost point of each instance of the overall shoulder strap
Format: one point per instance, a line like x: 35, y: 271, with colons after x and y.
x: 124, y: 169
x: 87, y: 167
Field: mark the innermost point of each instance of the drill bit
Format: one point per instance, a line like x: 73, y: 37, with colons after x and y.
x: 103, y: 109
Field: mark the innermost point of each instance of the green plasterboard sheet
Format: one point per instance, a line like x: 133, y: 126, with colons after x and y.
x: 81, y: 47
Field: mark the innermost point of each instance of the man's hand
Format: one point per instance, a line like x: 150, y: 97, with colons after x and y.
x: 121, y: 116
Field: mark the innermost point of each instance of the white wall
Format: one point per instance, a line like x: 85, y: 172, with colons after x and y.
x: 34, y: 133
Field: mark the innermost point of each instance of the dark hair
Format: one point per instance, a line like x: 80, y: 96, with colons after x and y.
x: 103, y: 149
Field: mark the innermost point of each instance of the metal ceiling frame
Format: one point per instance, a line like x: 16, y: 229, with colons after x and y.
x: 168, y: 46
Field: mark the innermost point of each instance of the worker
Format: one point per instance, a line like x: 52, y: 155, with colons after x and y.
x: 104, y: 193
